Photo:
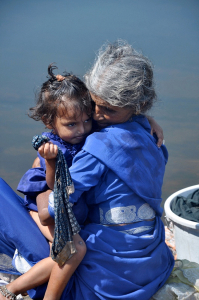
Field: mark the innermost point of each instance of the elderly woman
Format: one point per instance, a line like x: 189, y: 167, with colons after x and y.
x: 120, y: 171
x: 127, y: 257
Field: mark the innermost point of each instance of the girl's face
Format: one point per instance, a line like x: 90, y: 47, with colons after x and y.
x: 106, y: 114
x: 72, y: 127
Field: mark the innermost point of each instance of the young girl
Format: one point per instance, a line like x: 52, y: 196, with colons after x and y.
x: 64, y: 106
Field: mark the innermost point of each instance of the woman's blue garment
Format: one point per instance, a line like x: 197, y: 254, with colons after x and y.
x: 121, y: 266
x: 122, y: 170
x: 33, y: 181
x: 121, y: 166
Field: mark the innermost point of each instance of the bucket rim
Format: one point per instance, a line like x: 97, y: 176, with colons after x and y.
x: 173, y: 217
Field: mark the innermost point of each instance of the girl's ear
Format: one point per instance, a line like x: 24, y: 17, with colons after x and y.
x: 49, y: 126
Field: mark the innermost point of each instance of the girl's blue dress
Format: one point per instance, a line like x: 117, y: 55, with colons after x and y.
x: 120, y: 172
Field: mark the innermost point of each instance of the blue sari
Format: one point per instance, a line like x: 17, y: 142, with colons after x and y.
x: 121, y: 266
x: 120, y: 174
x: 121, y: 171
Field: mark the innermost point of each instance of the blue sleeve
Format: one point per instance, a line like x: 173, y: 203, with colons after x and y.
x: 33, y: 182
x: 86, y: 172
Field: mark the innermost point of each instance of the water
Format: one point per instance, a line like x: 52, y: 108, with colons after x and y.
x: 36, y: 33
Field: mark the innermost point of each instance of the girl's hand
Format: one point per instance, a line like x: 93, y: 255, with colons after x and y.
x: 155, y: 128
x: 48, y: 150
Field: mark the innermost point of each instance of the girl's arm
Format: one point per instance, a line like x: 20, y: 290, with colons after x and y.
x: 49, y: 151
x: 42, y: 204
x: 50, y: 172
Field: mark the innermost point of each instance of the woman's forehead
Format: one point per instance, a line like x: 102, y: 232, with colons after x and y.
x: 99, y: 101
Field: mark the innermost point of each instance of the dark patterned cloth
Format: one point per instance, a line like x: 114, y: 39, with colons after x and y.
x: 66, y: 224
x: 187, y: 207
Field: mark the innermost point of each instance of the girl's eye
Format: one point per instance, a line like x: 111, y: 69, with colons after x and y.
x: 88, y: 120
x: 70, y: 125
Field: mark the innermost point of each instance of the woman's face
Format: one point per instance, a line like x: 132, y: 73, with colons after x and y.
x: 106, y: 114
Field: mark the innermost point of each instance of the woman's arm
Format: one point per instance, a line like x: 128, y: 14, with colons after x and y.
x: 155, y: 128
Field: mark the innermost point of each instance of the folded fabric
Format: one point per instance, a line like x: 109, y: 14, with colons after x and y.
x: 20, y: 263
x: 182, y: 284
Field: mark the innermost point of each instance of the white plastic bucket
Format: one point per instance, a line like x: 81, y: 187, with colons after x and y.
x: 186, y: 233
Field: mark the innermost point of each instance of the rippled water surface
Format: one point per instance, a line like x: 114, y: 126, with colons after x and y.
x: 36, y: 33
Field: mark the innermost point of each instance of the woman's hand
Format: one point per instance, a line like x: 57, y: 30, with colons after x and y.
x: 48, y: 151
x: 155, y: 128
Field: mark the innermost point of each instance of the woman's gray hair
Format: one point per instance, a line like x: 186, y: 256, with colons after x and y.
x: 122, y: 77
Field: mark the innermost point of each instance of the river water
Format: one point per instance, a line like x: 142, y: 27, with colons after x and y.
x: 36, y: 33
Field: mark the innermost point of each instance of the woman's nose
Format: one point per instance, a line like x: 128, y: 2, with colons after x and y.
x: 98, y: 114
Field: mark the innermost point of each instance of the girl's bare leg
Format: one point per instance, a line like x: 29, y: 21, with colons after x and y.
x: 47, y: 268
x: 60, y: 275
x: 36, y: 276
x: 47, y: 231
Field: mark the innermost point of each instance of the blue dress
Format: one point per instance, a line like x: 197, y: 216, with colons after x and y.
x: 120, y: 172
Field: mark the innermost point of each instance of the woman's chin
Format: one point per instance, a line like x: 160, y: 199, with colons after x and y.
x: 102, y: 125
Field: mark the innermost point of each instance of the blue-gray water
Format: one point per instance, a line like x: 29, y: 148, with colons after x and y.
x: 36, y: 33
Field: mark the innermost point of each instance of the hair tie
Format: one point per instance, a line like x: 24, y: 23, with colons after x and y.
x: 60, y: 77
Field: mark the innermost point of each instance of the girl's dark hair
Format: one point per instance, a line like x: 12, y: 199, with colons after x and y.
x: 67, y: 90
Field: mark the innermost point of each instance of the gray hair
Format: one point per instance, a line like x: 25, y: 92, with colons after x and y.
x: 122, y: 77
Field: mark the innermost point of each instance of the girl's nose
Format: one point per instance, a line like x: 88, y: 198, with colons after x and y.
x: 81, y: 128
